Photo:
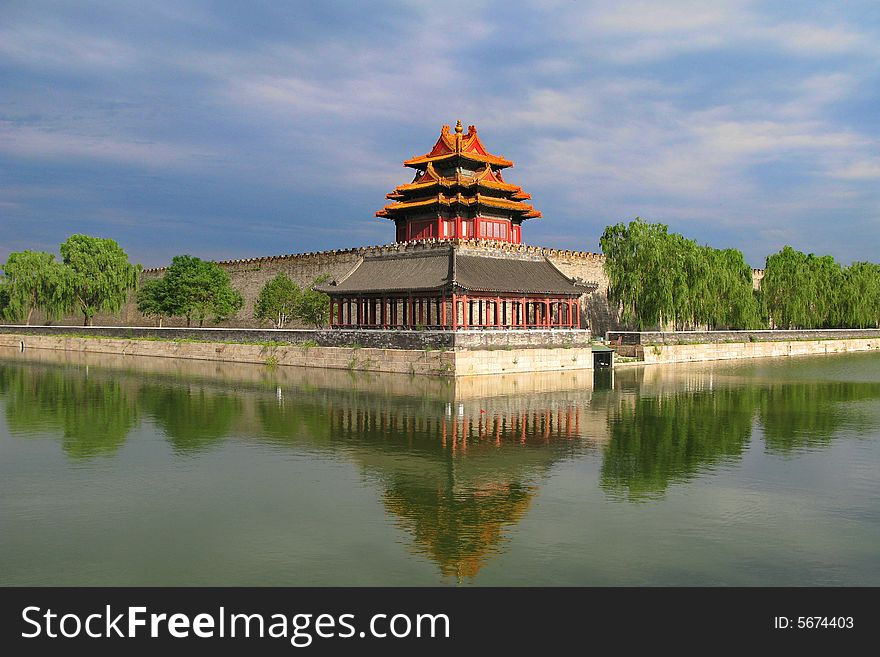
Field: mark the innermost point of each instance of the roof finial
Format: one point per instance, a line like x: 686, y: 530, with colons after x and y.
x: 458, y: 128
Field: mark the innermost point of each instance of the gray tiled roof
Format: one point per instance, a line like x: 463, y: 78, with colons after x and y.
x: 482, y: 274
x: 448, y: 271
x: 403, y: 273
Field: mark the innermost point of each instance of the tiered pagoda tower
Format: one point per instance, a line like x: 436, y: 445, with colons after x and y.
x: 460, y: 272
x: 458, y: 192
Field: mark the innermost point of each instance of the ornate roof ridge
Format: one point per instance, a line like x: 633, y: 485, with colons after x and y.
x: 465, y: 145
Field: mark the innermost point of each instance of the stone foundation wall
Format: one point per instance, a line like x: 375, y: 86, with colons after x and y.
x: 364, y: 359
x: 489, y: 339
x: 685, y: 353
x: 707, y: 337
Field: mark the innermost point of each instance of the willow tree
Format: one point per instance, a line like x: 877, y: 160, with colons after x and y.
x: 34, y: 280
x: 802, y: 291
x: 659, y: 278
x: 99, y: 275
x: 732, y: 301
x: 859, y: 296
x: 640, y: 280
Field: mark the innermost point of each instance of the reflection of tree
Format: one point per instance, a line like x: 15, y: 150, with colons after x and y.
x: 808, y: 415
x: 658, y: 440
x: 284, y: 421
x: 92, y: 414
x: 673, y: 437
x: 192, y: 417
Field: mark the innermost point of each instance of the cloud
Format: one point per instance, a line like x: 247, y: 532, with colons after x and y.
x: 39, y: 143
x: 294, y: 120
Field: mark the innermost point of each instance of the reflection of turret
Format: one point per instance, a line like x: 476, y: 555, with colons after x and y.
x: 458, y: 530
x: 457, y: 471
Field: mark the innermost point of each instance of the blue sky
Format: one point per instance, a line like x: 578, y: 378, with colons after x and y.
x: 232, y: 130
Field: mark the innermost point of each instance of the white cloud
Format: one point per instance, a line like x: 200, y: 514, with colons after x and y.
x: 42, y: 143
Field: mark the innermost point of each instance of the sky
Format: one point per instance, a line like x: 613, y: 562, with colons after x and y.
x: 234, y: 130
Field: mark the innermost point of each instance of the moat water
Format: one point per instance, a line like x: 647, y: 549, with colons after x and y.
x: 135, y: 471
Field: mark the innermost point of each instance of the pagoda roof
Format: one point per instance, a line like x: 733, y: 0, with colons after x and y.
x: 486, y: 177
x: 450, y: 271
x: 452, y: 145
x: 527, y: 210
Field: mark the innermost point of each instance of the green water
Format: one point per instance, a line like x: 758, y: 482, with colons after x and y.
x: 134, y: 471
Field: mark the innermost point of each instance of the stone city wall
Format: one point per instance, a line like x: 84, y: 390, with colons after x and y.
x: 250, y: 274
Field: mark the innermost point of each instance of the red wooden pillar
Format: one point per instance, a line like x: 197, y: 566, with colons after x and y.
x: 454, y: 310
x: 382, y: 318
x: 497, y: 312
x: 359, y: 310
x: 411, y: 313
x: 547, y: 319
x: 443, y: 311
x: 465, y: 307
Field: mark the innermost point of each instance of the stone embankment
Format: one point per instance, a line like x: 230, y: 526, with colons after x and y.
x: 509, y: 355
x: 693, y: 346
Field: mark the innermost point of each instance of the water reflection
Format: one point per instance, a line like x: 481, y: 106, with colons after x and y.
x: 668, y: 438
x: 192, y: 418
x: 93, y: 416
x: 458, y: 464
x: 802, y: 416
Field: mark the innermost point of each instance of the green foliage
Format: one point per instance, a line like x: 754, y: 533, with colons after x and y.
x: 807, y: 291
x: 278, y: 301
x: 662, y: 279
x: 192, y: 419
x: 99, y: 275
x: 859, y: 295
x: 92, y: 415
x: 153, y: 299
x: 4, y: 299
x: 197, y: 289
x: 34, y: 280
x: 313, y: 307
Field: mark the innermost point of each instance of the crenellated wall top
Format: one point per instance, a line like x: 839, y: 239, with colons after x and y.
x: 406, y: 247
